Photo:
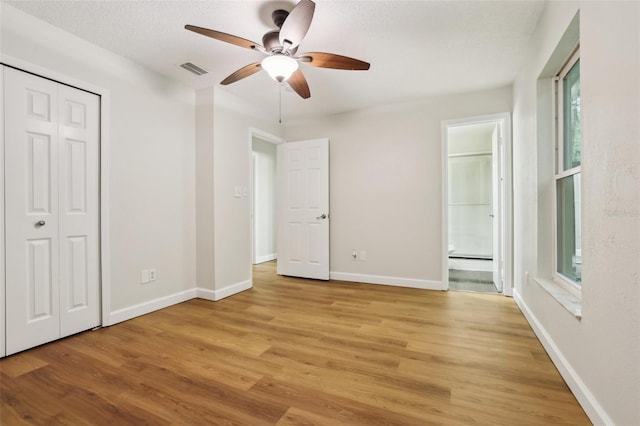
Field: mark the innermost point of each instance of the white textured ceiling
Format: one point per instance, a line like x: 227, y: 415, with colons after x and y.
x: 416, y: 48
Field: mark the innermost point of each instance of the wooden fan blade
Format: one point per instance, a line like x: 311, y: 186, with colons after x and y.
x: 228, y: 38
x: 297, y: 24
x: 242, y: 73
x: 299, y: 84
x: 331, y: 60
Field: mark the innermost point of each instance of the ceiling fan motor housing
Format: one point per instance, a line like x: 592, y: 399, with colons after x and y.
x: 271, y: 42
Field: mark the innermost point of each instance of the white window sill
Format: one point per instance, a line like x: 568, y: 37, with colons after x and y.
x: 568, y: 300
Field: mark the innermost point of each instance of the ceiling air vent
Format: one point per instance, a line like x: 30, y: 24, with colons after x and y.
x: 193, y: 68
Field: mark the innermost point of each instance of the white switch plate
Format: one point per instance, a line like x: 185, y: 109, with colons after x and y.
x: 237, y: 191
x: 144, y: 276
x: 245, y: 191
x: 152, y: 274
x: 363, y: 256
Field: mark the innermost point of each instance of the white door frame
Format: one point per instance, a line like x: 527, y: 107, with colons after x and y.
x: 105, y: 283
x: 506, y: 219
x: 3, y: 319
x: 267, y: 137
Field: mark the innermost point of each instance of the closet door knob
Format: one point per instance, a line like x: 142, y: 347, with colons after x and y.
x: 40, y: 223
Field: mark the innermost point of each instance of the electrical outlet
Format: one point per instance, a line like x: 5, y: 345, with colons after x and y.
x: 152, y: 274
x: 144, y: 276
x: 363, y: 256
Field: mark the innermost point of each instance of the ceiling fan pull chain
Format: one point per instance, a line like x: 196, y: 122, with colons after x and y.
x: 280, y: 103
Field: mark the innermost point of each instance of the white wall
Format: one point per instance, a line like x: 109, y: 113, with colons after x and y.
x: 386, y: 183
x: 205, y: 240
x: 471, y: 138
x: 599, y: 355
x: 232, y: 158
x: 470, y: 207
x: 264, y: 200
x: 151, y: 158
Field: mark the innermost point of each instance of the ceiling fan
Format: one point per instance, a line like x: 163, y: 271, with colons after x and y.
x: 281, y: 46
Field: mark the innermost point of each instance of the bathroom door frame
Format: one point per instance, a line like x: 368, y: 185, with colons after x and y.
x: 272, y: 139
x: 276, y: 140
x: 505, y: 219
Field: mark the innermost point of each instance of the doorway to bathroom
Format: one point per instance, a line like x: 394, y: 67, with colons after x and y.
x: 264, y: 208
x: 476, y: 199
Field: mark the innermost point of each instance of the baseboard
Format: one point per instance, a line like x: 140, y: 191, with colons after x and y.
x: 471, y: 264
x: 266, y: 258
x: 587, y: 400
x: 216, y: 295
x: 382, y: 280
x: 150, y: 306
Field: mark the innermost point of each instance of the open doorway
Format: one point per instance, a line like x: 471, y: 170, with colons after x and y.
x: 475, y: 199
x: 264, y: 207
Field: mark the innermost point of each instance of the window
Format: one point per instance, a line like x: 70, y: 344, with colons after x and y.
x: 568, y: 236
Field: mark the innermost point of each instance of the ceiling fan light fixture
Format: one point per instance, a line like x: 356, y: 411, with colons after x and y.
x: 279, y: 66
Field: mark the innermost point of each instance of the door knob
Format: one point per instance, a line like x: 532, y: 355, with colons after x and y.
x: 40, y: 223
x: 323, y: 216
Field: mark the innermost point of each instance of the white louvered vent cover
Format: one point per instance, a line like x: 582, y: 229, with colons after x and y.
x: 193, y: 68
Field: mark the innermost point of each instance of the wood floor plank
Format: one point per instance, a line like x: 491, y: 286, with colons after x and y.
x: 17, y: 366
x: 298, y: 352
x: 297, y: 417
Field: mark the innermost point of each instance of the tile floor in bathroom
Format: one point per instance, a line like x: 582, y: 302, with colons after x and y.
x: 478, y: 281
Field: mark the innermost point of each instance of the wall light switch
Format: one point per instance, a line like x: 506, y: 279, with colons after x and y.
x: 144, y: 276
x: 363, y: 256
x: 245, y: 191
x: 237, y: 191
x: 152, y: 274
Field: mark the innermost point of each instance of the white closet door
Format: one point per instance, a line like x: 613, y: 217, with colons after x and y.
x: 78, y: 209
x: 52, y: 210
x: 31, y: 206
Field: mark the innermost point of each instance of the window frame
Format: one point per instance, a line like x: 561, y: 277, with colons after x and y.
x: 559, y: 174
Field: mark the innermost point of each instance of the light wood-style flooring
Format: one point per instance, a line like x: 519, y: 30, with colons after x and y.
x: 298, y: 352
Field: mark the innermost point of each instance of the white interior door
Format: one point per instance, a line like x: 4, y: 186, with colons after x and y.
x: 51, y: 209
x: 496, y: 201
x: 303, y: 214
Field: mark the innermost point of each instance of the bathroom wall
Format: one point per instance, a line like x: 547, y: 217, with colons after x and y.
x: 470, y: 198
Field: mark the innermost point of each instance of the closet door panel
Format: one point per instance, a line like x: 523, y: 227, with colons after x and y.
x: 79, y: 207
x: 31, y: 209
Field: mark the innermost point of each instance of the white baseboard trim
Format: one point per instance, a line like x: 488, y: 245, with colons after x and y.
x: 266, y: 258
x: 587, y: 400
x: 150, y: 306
x: 382, y: 280
x: 215, y: 295
x: 471, y: 264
